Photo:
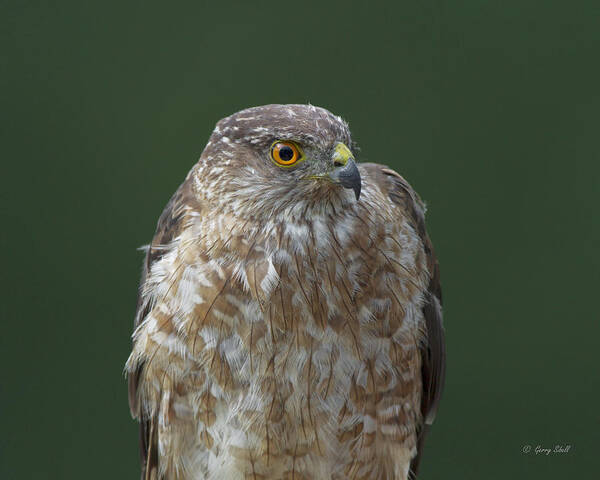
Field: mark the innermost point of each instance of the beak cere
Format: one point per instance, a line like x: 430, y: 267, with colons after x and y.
x: 346, y: 172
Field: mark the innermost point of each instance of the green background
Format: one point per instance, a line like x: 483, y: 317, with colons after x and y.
x: 490, y: 109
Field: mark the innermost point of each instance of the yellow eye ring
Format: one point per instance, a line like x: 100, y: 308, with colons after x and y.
x: 286, y: 154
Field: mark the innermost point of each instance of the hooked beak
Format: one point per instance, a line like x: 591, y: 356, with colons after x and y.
x: 345, y: 172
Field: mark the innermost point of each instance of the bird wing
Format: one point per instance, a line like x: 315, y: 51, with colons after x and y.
x: 433, y: 351
x: 170, y: 224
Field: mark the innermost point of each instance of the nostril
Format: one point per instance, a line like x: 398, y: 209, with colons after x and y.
x: 337, y: 163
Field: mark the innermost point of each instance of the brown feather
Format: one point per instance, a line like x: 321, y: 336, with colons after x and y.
x: 169, y: 225
x: 433, y: 353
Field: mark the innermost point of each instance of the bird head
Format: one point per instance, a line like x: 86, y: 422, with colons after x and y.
x: 280, y: 157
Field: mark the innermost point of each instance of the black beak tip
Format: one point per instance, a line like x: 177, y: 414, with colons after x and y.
x: 349, y: 177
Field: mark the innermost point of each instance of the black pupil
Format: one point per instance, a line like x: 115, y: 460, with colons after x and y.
x: 286, y: 153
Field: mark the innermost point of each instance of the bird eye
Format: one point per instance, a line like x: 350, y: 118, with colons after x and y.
x: 285, y: 154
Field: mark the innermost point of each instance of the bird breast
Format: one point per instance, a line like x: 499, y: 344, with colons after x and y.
x: 286, y: 345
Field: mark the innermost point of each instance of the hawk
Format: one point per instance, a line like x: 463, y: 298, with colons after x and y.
x: 289, y: 320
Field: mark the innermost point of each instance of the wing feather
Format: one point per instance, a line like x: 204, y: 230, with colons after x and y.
x: 433, y: 352
x: 170, y: 225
